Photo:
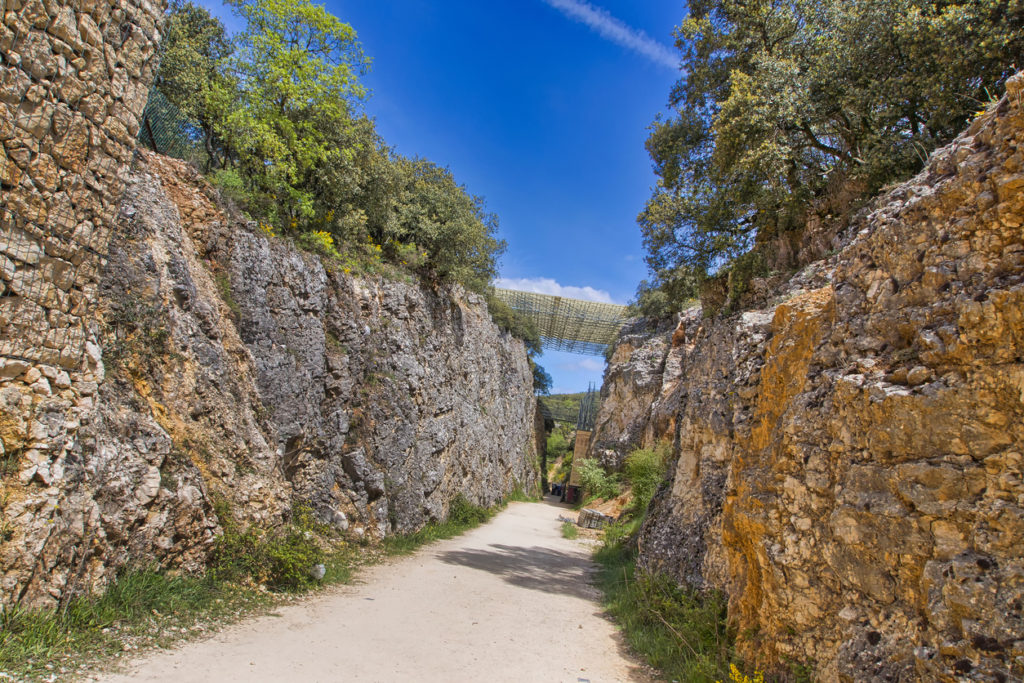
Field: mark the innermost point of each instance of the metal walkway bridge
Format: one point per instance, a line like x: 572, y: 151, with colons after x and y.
x: 573, y: 325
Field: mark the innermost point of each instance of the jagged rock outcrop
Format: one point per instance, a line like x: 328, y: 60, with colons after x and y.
x: 235, y: 366
x: 631, y: 384
x: 850, y: 456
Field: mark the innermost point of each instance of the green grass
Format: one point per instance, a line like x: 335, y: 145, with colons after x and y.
x: 681, y: 633
x: 144, y: 608
x: 224, y: 287
x: 518, y: 495
x: 570, y: 531
x: 462, y: 516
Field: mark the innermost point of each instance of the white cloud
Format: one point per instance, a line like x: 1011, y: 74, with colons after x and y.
x: 592, y: 364
x: 545, y: 285
x: 582, y: 365
x: 610, y: 28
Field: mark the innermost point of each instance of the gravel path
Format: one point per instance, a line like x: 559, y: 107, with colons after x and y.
x: 508, y: 601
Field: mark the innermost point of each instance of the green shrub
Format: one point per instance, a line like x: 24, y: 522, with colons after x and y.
x: 319, y: 242
x: 645, y: 469
x: 280, y: 559
x: 464, y: 513
x: 623, y: 531
x: 570, y: 531
x: 597, y: 481
x: 231, y: 185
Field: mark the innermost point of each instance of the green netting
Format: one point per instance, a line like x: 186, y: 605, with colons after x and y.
x: 558, y: 413
x: 165, y: 129
x: 573, y: 325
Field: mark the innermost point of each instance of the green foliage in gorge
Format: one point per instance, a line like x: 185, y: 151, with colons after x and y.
x: 797, y: 106
x: 557, y: 445
x: 645, y: 469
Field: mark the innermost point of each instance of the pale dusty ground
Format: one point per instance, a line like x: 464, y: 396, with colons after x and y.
x: 509, y: 601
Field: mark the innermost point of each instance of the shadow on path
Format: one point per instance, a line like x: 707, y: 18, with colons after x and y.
x: 555, y: 502
x: 540, y: 569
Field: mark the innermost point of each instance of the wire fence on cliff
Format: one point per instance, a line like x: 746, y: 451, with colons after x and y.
x: 165, y: 129
x: 54, y: 223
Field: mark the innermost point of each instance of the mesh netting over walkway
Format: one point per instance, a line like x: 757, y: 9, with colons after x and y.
x: 569, y: 324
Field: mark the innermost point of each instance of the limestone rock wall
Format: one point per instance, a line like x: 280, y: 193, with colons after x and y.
x: 631, y: 384
x: 849, y: 457
x: 74, y: 78
x: 239, y: 368
x: 73, y: 83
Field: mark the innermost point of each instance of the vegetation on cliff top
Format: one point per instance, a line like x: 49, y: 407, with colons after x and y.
x: 278, y: 108
x: 278, y: 111
x: 788, y: 109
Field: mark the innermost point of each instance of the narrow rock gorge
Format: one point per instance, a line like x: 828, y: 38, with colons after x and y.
x: 849, y: 450
x: 164, y: 362
x: 231, y: 365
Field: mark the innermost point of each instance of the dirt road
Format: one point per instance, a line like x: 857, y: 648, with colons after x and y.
x: 509, y: 601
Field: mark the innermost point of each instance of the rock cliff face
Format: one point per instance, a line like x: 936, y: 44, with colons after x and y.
x: 631, y: 385
x: 850, y: 456
x: 235, y: 366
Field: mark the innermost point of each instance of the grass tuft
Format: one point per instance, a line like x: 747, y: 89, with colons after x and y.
x: 462, y: 516
x: 141, y: 608
x: 681, y: 633
x: 570, y: 531
x: 518, y: 495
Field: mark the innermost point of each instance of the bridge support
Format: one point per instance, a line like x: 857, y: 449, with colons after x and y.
x: 574, y: 492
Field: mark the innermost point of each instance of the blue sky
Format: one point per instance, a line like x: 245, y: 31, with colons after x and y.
x: 541, y: 107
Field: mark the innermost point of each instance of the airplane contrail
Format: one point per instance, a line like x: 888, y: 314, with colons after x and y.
x: 610, y: 28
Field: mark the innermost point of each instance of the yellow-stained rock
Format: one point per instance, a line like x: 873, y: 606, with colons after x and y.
x: 849, y: 465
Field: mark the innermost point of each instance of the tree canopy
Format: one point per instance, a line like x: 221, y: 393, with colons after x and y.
x: 279, y: 105
x: 787, y: 107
